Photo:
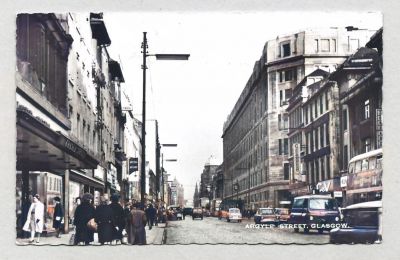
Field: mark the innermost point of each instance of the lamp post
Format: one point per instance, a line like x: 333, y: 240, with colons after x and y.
x: 236, y: 188
x: 143, y: 137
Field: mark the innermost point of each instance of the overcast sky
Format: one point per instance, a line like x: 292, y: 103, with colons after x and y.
x: 192, y: 99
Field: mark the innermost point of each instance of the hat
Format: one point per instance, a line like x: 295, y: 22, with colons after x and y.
x: 57, y: 198
x: 87, y: 197
x: 114, y: 198
x: 37, y: 196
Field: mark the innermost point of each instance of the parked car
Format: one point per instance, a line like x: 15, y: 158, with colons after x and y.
x: 197, y: 213
x: 187, y: 211
x: 282, y: 214
x: 234, y: 214
x: 314, y: 212
x: 361, y: 224
x: 265, y: 216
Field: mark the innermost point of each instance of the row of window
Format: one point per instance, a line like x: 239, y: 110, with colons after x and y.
x: 316, y: 107
x: 317, y: 138
x: 318, y: 169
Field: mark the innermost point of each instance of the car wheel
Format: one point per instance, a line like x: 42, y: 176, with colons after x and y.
x: 320, y: 231
x: 192, y: 218
x: 228, y: 220
x: 296, y: 230
x: 201, y: 218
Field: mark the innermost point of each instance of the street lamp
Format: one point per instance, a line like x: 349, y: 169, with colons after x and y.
x: 236, y: 188
x: 143, y: 137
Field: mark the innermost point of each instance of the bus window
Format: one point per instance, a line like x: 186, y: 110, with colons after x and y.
x: 379, y: 162
x: 364, y: 165
x: 358, y: 167
x: 372, y: 163
x: 351, y: 168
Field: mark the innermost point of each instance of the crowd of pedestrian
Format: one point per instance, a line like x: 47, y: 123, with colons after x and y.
x: 112, y: 221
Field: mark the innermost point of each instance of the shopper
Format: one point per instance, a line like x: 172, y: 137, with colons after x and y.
x: 35, y: 220
x: 104, y: 218
x: 119, y: 218
x: 135, y: 226
x: 83, y: 213
x: 58, y: 216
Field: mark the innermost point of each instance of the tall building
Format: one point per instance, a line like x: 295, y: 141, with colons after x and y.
x: 255, y: 139
x: 70, y: 125
x: 196, y: 198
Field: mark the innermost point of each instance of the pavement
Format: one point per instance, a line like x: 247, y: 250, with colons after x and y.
x: 155, y: 236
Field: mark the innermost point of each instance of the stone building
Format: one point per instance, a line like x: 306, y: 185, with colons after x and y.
x: 254, y: 136
x: 206, y: 178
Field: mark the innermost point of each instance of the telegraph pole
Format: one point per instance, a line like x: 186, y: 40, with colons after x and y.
x: 143, y: 137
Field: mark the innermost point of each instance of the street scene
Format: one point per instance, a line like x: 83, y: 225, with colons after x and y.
x: 206, y: 128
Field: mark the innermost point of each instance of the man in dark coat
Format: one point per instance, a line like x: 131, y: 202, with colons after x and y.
x: 119, y: 218
x: 83, y: 213
x: 151, y: 213
x: 104, y: 218
x: 58, y: 216
x: 135, y: 226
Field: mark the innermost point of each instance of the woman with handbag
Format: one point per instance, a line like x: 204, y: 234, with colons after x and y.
x: 35, y: 220
x: 83, y: 221
x: 58, y: 216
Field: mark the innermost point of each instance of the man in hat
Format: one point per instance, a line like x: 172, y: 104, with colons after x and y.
x: 58, y: 216
x: 135, y: 225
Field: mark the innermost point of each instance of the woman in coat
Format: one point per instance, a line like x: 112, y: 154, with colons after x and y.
x: 57, y: 216
x: 34, y: 221
x: 104, y: 218
x: 135, y: 226
x: 119, y: 217
x: 83, y: 213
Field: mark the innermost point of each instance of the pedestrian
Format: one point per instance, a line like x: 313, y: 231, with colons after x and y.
x: 104, y: 218
x: 119, y: 218
x: 135, y: 226
x: 35, y: 221
x: 58, y: 216
x: 26, y: 204
x: 150, y: 215
x: 83, y: 214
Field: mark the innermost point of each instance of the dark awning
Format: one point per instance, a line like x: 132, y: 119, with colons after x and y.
x: 99, y: 30
x: 40, y: 148
x: 115, y: 70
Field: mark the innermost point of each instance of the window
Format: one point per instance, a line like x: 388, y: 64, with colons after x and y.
x: 323, y: 168
x: 306, y: 114
x: 327, y: 134
x: 285, y: 146
x: 366, y: 109
x: 317, y: 170
x: 321, y: 135
x: 321, y: 105
x: 372, y: 163
x: 326, y: 101
x: 316, y: 108
x: 364, y: 165
x: 367, y: 145
x: 345, y: 119
x: 285, y: 49
x: 280, y: 76
x: 334, y: 45
x: 316, y: 47
x: 286, y: 171
x: 316, y: 139
x: 288, y: 94
x: 325, y: 45
x: 345, y: 156
x: 328, y: 167
x: 70, y: 111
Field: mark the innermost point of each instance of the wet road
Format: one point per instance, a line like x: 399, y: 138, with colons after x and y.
x: 213, y: 231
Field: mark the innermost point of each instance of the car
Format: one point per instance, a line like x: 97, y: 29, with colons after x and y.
x: 318, y: 212
x: 283, y: 215
x: 175, y: 213
x: 234, y: 214
x: 187, y: 211
x: 265, y: 216
x: 197, y: 213
x: 361, y: 224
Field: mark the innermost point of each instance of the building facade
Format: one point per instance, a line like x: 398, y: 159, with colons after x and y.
x: 255, y: 136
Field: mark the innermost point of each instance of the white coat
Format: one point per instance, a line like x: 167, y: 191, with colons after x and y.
x: 39, y: 213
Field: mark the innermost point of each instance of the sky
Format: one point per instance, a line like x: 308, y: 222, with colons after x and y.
x: 192, y: 99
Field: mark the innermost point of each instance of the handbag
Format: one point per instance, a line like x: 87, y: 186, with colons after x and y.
x: 92, y: 225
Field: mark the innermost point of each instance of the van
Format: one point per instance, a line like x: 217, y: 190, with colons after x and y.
x: 318, y: 212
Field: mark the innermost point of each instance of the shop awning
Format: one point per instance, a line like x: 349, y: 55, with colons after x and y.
x: 39, y: 148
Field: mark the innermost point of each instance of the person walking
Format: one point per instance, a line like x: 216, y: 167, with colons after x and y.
x: 119, y: 218
x: 104, y: 218
x: 151, y: 214
x: 58, y: 216
x: 135, y: 226
x: 35, y: 221
x: 83, y: 213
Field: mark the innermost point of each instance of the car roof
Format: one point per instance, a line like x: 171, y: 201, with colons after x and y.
x: 369, y: 204
x: 314, y: 197
x: 266, y: 208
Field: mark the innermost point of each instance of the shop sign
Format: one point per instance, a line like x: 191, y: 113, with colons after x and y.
x: 99, y: 173
x: 379, y: 134
x: 324, y: 186
x: 343, y: 182
x: 111, y: 174
x: 296, y: 159
x: 71, y: 146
